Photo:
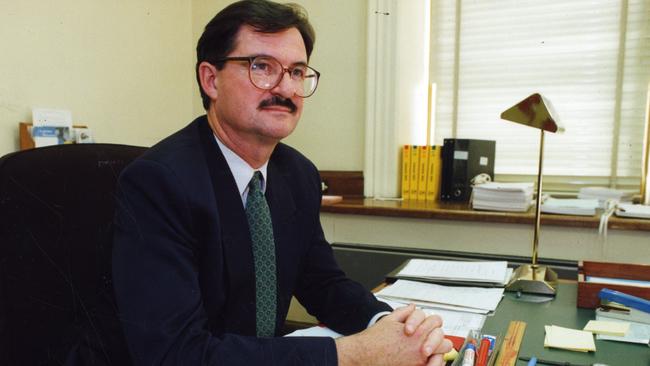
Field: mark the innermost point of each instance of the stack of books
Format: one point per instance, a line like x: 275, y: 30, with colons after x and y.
x: 421, y: 172
x: 495, y: 196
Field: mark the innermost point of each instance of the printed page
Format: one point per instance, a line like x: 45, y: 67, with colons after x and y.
x: 471, y: 297
x: 493, y: 272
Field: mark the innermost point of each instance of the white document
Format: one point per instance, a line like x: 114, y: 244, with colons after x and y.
x: 491, y: 272
x: 454, y: 323
x: 316, y: 331
x: 618, y: 281
x: 630, y: 210
x: 570, y: 206
x: 469, y: 297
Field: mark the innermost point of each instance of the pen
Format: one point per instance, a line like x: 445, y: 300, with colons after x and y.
x: 557, y: 363
x: 533, y: 361
x: 483, y: 350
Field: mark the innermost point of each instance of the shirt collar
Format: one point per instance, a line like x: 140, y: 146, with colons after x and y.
x: 241, y: 170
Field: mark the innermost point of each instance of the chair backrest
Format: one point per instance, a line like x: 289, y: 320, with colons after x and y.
x: 56, y: 214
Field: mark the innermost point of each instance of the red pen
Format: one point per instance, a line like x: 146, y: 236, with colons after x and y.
x: 483, y: 349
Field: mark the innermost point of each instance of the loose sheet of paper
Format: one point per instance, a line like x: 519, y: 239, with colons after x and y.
x: 569, y: 339
x: 469, y: 297
x: 607, y: 327
x: 494, y: 272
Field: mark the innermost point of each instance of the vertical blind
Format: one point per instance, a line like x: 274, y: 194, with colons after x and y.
x: 590, y: 58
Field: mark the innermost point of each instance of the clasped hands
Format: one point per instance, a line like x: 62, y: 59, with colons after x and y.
x: 404, y: 337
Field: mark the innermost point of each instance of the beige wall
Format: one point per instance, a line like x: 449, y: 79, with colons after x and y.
x: 122, y: 67
x: 126, y: 69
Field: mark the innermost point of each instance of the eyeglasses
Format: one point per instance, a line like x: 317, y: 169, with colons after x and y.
x: 265, y: 72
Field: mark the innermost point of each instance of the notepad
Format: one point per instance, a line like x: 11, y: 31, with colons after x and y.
x: 569, y: 339
x: 618, y: 329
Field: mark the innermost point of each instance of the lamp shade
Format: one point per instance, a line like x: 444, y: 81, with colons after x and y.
x: 534, y: 111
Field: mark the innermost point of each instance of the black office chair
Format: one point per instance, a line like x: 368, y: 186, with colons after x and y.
x: 56, y: 295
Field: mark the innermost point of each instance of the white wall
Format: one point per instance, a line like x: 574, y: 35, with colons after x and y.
x: 124, y: 68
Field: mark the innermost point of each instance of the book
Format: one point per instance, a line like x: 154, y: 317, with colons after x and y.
x: 415, y: 171
x: 422, y: 172
x: 434, y: 171
x: 406, y: 172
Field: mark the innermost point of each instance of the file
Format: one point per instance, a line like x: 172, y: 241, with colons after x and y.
x: 415, y: 171
x: 434, y: 172
x: 422, y: 172
x: 406, y: 172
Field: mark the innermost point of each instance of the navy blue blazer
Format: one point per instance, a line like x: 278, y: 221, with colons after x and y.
x: 183, y: 264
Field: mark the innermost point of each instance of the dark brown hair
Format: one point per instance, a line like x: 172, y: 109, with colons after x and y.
x: 218, y: 38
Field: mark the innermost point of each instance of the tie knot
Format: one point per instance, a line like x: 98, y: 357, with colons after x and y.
x: 256, y: 182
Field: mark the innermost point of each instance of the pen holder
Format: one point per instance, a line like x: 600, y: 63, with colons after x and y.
x: 474, y: 337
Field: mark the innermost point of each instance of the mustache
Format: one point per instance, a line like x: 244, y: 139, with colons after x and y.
x: 278, y: 100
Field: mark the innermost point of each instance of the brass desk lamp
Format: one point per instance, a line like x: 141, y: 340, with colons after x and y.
x: 534, y: 111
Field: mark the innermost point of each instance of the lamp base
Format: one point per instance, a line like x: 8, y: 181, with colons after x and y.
x: 533, y: 279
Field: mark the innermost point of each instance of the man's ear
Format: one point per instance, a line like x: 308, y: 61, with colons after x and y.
x: 208, y: 79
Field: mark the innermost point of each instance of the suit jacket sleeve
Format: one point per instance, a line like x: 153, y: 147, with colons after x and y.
x: 324, y: 289
x: 157, y: 287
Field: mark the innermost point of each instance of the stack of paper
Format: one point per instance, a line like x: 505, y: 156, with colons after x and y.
x: 495, y: 196
x: 569, y: 339
x: 603, y: 194
x: 630, y: 210
x: 469, y: 299
x: 570, y: 206
x: 476, y: 273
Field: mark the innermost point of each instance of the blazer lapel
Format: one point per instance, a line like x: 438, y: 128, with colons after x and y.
x: 283, y: 211
x: 235, y: 238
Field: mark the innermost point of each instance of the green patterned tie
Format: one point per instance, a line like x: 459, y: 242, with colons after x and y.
x: 259, y: 223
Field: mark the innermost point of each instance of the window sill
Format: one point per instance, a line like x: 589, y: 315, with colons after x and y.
x: 462, y: 212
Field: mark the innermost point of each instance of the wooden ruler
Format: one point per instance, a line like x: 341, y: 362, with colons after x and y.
x: 511, y: 344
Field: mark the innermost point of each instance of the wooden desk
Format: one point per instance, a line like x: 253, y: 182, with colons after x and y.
x: 562, y: 311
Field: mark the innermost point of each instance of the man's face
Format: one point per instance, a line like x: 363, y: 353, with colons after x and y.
x: 247, y: 111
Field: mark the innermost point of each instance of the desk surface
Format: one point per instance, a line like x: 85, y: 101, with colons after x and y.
x: 561, y: 311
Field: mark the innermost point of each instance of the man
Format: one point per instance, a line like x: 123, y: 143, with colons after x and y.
x: 218, y: 226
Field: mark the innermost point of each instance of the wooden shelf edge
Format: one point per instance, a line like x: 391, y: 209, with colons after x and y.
x: 462, y: 212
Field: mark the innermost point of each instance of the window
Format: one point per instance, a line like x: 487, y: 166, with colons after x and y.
x: 590, y: 58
